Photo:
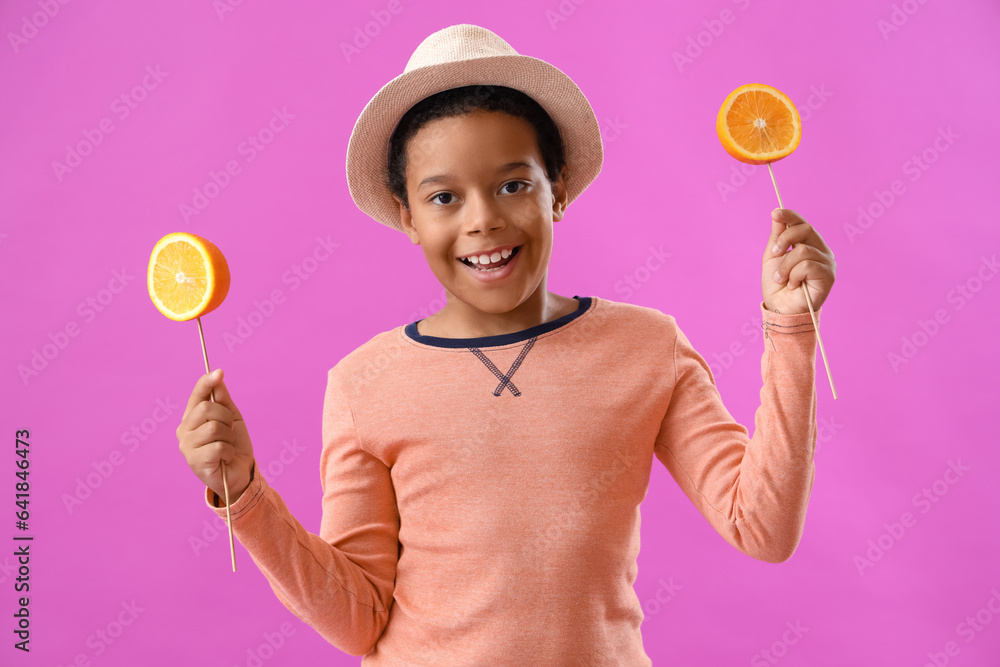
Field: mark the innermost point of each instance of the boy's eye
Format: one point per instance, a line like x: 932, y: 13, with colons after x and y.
x: 502, y: 188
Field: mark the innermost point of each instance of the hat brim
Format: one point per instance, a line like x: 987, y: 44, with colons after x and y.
x: 562, y: 99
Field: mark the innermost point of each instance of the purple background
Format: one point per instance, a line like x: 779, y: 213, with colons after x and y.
x: 874, y: 95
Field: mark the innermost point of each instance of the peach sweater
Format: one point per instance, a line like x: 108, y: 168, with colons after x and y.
x: 481, y: 496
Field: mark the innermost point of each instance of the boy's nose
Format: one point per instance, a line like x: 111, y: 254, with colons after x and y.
x: 483, y: 214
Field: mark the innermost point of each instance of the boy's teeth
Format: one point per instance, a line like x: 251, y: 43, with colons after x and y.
x: 488, y: 261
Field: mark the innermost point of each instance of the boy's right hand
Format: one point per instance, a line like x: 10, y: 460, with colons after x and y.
x: 211, y: 432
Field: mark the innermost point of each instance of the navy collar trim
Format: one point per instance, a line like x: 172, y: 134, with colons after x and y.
x: 502, y: 339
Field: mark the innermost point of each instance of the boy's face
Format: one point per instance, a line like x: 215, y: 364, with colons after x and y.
x: 465, y: 199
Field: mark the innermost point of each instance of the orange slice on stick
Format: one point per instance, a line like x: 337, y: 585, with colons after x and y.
x: 188, y: 276
x: 758, y: 124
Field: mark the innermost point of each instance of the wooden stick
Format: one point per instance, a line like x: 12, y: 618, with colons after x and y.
x: 225, y: 484
x: 812, y: 314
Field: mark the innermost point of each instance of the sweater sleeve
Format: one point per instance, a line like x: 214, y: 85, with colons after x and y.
x: 754, y: 491
x: 341, y: 581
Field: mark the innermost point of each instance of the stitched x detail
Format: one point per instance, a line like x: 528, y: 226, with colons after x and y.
x: 504, y: 379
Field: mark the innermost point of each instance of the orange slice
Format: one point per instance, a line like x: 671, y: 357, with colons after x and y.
x: 188, y: 276
x: 758, y: 124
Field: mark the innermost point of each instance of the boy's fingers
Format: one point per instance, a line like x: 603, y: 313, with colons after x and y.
x: 211, y: 412
x: 787, y: 216
x: 202, y: 390
x: 223, y: 398
x: 210, y: 432
x: 215, y: 451
x: 218, y: 412
x: 778, y: 226
x: 783, y: 219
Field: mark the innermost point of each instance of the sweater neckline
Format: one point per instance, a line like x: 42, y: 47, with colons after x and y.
x: 501, y: 339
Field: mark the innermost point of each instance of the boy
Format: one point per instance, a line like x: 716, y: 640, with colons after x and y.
x: 483, y: 468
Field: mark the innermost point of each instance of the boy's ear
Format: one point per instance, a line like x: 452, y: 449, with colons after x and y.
x: 407, y: 222
x: 559, y: 195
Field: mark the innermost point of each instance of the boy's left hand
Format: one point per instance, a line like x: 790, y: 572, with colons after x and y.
x: 810, y: 259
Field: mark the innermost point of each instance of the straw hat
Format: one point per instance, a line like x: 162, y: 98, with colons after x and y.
x: 464, y: 55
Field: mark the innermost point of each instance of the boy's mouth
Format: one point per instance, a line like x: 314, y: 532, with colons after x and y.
x: 476, y: 263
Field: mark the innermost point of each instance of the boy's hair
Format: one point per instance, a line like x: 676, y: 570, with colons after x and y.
x: 463, y: 100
